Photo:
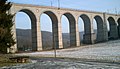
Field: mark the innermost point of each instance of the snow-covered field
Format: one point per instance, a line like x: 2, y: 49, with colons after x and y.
x: 108, y: 51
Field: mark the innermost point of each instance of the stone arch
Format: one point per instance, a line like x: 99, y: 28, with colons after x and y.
x: 100, y: 28
x: 87, y: 29
x: 33, y: 27
x: 52, y: 16
x: 30, y: 14
x: 72, y: 28
x: 118, y: 21
x: 113, y: 33
x: 55, y: 31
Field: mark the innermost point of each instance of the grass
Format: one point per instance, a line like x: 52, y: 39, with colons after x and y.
x: 5, y: 61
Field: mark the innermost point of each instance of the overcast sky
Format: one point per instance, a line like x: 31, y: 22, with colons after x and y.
x: 22, y: 20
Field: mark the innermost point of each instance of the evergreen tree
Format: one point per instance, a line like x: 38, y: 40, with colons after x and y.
x: 6, y: 23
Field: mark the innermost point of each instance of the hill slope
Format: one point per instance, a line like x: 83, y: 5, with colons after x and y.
x: 24, y: 39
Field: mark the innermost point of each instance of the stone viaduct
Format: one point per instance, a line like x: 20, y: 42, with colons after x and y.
x: 34, y: 12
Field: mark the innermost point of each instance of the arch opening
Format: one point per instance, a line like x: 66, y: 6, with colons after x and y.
x: 118, y: 27
x: 24, y: 20
x: 65, y: 31
x: 108, y: 26
x: 113, y: 33
x: 49, y: 28
x: 95, y: 29
x: 99, y: 29
x: 71, y: 33
x: 87, y: 29
x: 81, y: 30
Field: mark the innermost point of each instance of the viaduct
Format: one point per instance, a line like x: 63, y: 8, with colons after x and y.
x: 35, y: 11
